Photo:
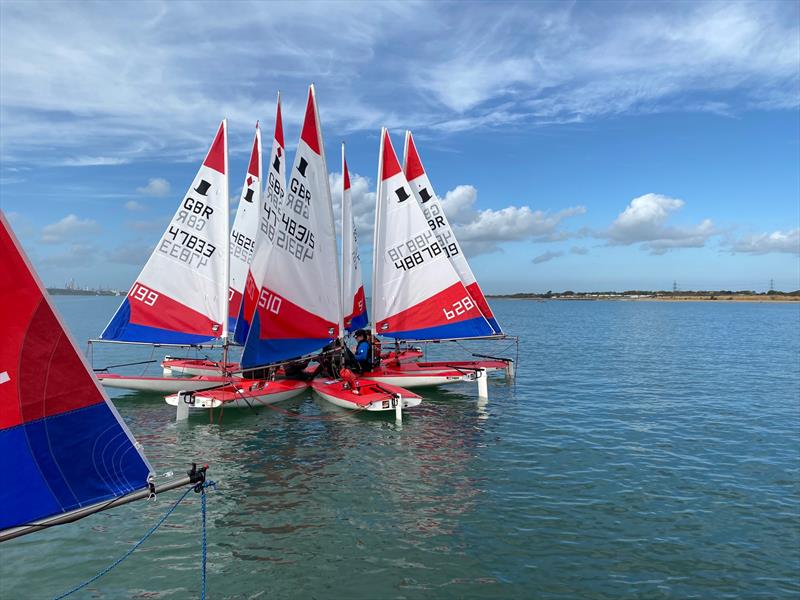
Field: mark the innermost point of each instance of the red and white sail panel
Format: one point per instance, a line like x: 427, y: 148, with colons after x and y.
x: 353, y: 300
x: 299, y: 307
x: 269, y: 215
x: 432, y: 208
x: 243, y: 233
x: 417, y: 293
x: 181, y: 295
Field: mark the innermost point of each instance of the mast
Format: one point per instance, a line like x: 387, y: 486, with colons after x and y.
x: 227, y: 264
x: 376, y: 230
x: 344, y: 258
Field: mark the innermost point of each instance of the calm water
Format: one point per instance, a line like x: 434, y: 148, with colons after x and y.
x: 647, y: 450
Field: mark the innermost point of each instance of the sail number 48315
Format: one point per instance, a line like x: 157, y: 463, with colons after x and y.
x: 459, y: 308
x: 143, y: 294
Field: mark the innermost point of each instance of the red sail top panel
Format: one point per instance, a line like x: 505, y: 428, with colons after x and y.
x: 346, y: 175
x: 310, y: 135
x: 391, y: 166
x: 254, y: 158
x: 279, y: 125
x: 413, y: 164
x: 42, y: 373
x: 215, y: 159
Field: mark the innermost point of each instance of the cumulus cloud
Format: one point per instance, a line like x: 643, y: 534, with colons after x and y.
x: 157, y: 187
x: 134, y: 206
x: 362, y: 198
x: 481, y: 231
x: 765, y: 243
x: 546, y: 256
x: 69, y: 227
x: 644, y: 221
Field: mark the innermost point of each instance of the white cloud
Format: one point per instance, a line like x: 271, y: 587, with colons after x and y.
x: 69, y: 227
x: 546, y: 256
x: 79, y: 71
x: 157, y: 186
x: 362, y: 198
x: 764, y: 243
x: 482, y: 231
x: 134, y: 206
x: 75, y: 256
x: 579, y: 250
x: 644, y: 221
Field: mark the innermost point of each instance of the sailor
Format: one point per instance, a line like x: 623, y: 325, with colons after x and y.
x: 363, y: 352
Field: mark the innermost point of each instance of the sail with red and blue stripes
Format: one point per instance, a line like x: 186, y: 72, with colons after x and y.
x: 299, y: 308
x: 437, y: 220
x: 353, y: 300
x: 243, y: 233
x: 181, y: 295
x: 269, y: 213
x: 62, y: 444
x: 417, y: 293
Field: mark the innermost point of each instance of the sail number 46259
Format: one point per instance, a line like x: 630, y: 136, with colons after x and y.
x: 459, y: 308
x: 143, y: 294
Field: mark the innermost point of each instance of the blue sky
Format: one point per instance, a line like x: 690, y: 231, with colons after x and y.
x: 586, y: 145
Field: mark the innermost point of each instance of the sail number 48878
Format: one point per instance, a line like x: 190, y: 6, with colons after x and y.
x: 459, y: 308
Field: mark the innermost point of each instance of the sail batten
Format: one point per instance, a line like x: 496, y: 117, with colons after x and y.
x: 417, y: 293
x: 61, y: 440
x: 181, y: 295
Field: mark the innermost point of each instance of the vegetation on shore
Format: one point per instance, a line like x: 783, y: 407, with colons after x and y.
x: 741, y: 295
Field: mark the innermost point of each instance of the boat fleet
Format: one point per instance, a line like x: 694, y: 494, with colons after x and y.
x: 272, y: 286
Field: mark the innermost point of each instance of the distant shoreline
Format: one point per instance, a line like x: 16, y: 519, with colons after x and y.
x: 69, y: 292
x: 781, y: 298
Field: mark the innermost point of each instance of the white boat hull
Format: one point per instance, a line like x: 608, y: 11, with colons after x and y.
x: 201, y: 402
x: 377, y: 406
x: 160, y: 385
x: 418, y: 380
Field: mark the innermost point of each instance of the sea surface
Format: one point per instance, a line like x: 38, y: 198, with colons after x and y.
x: 646, y: 450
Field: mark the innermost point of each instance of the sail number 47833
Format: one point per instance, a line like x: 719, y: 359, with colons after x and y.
x: 459, y: 308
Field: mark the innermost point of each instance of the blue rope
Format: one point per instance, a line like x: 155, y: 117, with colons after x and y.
x: 153, y: 529
x: 203, y: 511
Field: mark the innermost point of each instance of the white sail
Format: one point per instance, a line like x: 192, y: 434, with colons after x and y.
x: 299, y: 307
x: 434, y: 213
x: 245, y: 228
x: 417, y: 293
x: 354, y: 302
x: 181, y: 295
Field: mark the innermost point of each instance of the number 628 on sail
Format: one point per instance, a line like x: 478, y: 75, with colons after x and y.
x: 459, y: 308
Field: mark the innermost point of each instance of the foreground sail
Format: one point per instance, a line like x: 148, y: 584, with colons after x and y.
x: 181, y: 295
x: 270, y: 211
x: 432, y: 208
x: 243, y: 233
x: 353, y: 299
x: 417, y: 293
x: 63, y: 446
x: 299, y: 308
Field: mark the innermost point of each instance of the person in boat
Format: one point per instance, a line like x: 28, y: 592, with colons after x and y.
x: 364, y: 354
x: 329, y: 360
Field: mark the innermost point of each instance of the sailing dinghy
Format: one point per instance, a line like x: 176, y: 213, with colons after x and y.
x: 67, y: 451
x: 346, y: 391
x: 181, y: 296
x: 417, y: 293
x: 293, y: 286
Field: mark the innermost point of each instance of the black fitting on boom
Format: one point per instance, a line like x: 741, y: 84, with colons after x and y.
x: 197, y: 476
